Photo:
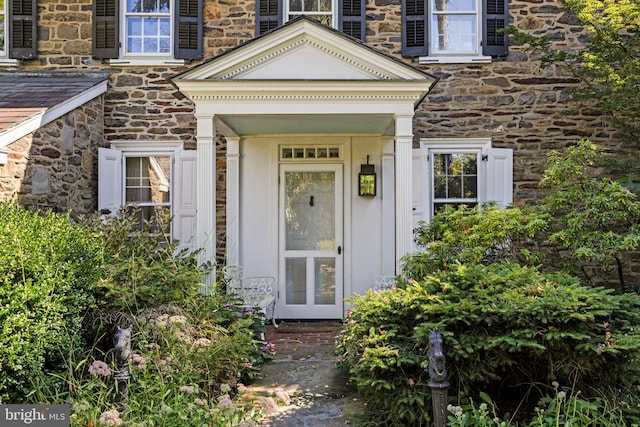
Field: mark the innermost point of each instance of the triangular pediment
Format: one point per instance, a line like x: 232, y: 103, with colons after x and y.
x: 303, y: 50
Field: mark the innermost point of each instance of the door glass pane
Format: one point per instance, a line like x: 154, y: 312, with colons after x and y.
x: 325, y: 280
x: 296, y: 283
x: 310, y: 210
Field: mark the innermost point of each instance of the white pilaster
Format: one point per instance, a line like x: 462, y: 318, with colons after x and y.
x: 206, y: 203
x: 404, y: 227
x: 233, y: 201
x: 388, y: 207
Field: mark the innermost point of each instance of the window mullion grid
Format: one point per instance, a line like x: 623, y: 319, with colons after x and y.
x: 159, y: 15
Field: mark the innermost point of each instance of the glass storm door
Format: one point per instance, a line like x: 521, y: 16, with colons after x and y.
x: 310, y: 242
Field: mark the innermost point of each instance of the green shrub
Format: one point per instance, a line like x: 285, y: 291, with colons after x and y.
x: 141, y: 267
x: 506, y: 328
x: 478, y: 235
x: 47, y: 268
x: 585, y: 225
x: 187, y: 365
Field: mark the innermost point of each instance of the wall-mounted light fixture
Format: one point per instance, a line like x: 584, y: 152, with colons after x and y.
x: 367, y: 180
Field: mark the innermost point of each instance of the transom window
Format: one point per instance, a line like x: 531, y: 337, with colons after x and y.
x: 455, y: 179
x: 454, y: 26
x: 331, y: 152
x: 148, y: 189
x: 148, y: 27
x: 320, y: 10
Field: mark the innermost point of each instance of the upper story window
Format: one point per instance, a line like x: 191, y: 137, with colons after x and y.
x: 147, y: 27
x: 320, y: 10
x: 346, y: 15
x: 454, y: 30
x: 147, y: 31
x: 18, y: 29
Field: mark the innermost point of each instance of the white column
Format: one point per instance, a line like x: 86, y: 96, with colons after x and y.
x: 404, y: 226
x: 233, y: 201
x: 388, y: 207
x: 206, y: 203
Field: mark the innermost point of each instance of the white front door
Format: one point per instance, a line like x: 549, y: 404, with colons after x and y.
x: 311, y: 261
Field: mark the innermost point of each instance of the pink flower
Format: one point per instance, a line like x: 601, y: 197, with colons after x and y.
x: 187, y: 389
x: 268, y: 347
x: 269, y: 405
x: 225, y: 402
x: 248, y: 365
x: 110, y: 418
x: 98, y: 367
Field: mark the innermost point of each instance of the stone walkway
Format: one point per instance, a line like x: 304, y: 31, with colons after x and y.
x: 304, y: 371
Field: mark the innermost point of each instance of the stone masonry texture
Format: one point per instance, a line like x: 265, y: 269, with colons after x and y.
x: 512, y: 100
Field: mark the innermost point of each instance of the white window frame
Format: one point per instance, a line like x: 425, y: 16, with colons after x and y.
x: 4, y: 47
x: 334, y: 13
x: 142, y: 59
x: 124, y: 32
x: 5, y: 61
x: 495, y: 172
x: 112, y: 184
x: 455, y: 57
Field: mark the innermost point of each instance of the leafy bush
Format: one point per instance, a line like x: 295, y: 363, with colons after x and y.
x: 47, y: 268
x: 141, y: 267
x: 593, y: 222
x: 479, y: 235
x: 585, y: 225
x: 506, y: 328
x: 187, y: 365
x: 562, y: 408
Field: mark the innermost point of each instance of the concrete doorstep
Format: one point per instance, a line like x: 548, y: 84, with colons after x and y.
x: 301, y: 386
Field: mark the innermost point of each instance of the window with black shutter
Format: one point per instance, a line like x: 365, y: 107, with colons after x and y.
x: 448, y: 29
x: 23, y: 42
x: 495, y: 18
x: 414, y: 28
x: 188, y: 41
x: 268, y: 15
x: 147, y: 32
x: 351, y: 15
x: 352, y: 18
x: 105, y: 29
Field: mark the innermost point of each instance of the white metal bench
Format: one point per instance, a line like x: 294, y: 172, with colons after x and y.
x: 384, y: 283
x: 255, y: 292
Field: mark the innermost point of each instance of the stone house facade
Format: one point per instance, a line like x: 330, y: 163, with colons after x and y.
x: 159, y: 55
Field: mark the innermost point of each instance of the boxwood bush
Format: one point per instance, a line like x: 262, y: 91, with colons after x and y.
x: 507, y: 330
x: 47, y: 268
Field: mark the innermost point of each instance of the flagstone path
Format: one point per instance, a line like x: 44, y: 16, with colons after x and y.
x: 304, y: 371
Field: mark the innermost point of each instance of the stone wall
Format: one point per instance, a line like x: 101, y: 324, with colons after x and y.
x: 56, y: 166
x: 511, y: 100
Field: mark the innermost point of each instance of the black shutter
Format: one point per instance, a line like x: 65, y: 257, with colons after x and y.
x: 352, y: 18
x: 105, y: 29
x: 22, y: 25
x: 414, y: 28
x: 188, y: 29
x: 267, y: 15
x: 495, y: 16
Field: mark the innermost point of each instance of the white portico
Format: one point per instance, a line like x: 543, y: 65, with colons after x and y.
x: 302, y: 108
